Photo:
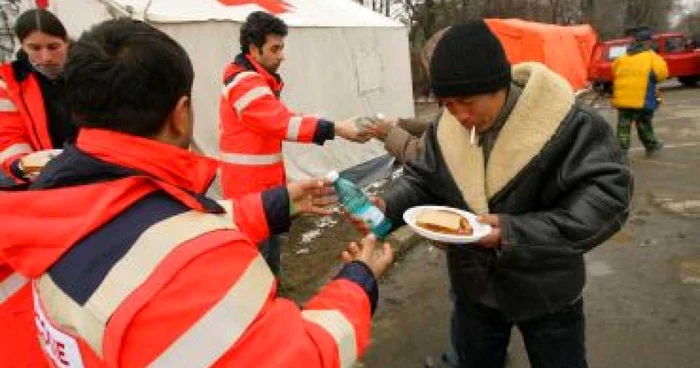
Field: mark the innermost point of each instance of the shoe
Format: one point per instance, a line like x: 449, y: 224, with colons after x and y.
x: 653, y: 149
x: 442, y: 362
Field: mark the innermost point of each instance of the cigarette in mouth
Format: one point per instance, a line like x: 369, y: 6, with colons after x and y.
x: 473, y: 135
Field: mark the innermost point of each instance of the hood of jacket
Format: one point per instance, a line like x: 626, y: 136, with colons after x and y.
x: 86, y: 186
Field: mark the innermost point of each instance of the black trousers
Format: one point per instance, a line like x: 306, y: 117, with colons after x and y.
x: 481, y: 336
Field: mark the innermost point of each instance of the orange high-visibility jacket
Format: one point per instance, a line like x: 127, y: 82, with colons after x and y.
x: 19, y: 346
x: 254, y: 123
x: 133, y: 268
x: 23, y: 122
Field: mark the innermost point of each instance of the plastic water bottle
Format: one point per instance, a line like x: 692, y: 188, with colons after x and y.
x: 358, y: 204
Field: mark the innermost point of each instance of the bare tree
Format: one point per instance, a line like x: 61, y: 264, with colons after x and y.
x: 653, y: 13
x: 554, y: 6
x: 690, y: 24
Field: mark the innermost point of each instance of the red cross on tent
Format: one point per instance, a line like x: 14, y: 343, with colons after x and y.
x: 272, y: 6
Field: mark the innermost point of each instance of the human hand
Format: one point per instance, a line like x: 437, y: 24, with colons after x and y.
x: 361, y: 224
x: 378, y: 260
x: 311, y: 196
x: 380, y: 128
x: 352, y: 130
x: 493, y: 239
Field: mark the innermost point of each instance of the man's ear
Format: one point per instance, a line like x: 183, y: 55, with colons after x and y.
x: 254, y: 51
x: 181, y: 117
x: 178, y: 126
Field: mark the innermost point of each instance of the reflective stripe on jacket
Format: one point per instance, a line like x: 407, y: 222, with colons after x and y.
x: 204, y: 297
x: 254, y: 123
x: 635, y: 78
x: 23, y: 122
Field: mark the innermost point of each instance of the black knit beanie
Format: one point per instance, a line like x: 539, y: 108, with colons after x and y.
x: 468, y: 60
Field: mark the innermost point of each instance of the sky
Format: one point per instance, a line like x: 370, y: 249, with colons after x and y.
x: 688, y: 6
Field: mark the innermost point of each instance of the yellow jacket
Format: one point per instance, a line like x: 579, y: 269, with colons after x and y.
x: 635, y: 77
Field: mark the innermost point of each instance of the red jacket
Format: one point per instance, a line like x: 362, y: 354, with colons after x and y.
x: 19, y: 346
x: 132, y: 267
x: 23, y: 123
x: 254, y: 123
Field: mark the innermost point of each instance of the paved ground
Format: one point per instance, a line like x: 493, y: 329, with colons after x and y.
x: 643, y: 294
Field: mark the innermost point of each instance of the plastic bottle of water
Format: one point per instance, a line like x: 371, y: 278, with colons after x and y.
x: 358, y: 204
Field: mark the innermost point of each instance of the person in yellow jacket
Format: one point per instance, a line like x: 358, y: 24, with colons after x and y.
x: 635, y: 88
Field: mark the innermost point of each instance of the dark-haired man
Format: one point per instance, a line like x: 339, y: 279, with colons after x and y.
x: 133, y: 266
x: 514, y: 146
x: 255, y: 122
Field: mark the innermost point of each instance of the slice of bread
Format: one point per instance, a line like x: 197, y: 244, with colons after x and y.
x: 35, y: 162
x: 443, y: 221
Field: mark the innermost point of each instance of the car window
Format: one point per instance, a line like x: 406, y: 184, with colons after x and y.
x: 675, y: 45
x: 616, y: 51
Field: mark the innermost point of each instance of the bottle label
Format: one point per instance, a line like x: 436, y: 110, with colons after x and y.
x: 371, y: 215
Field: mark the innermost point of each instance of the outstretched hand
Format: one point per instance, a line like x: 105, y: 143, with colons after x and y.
x: 350, y: 130
x: 377, y: 259
x: 311, y: 196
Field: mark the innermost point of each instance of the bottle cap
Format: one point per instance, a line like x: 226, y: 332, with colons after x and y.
x: 333, y: 175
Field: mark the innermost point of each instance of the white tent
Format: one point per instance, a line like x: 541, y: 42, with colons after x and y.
x: 342, y: 60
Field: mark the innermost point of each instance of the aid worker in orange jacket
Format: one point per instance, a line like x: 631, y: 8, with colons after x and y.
x: 134, y: 266
x: 255, y: 122
x: 34, y: 115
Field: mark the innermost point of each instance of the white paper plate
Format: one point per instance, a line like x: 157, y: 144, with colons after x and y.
x: 480, y: 230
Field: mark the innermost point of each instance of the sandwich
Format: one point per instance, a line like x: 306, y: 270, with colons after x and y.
x: 445, y: 222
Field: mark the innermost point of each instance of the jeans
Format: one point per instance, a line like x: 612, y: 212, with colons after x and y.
x: 481, y: 336
x: 270, y: 250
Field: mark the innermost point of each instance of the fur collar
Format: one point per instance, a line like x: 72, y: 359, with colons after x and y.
x: 545, y: 101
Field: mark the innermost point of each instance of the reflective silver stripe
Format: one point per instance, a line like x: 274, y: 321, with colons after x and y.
x: 340, y: 328
x: 14, y: 149
x: 11, y: 285
x: 293, y: 128
x: 6, y: 105
x: 67, y: 313
x: 251, y: 160
x: 236, y: 80
x: 228, y: 207
x: 146, y: 254
x: 249, y: 97
x: 220, y: 328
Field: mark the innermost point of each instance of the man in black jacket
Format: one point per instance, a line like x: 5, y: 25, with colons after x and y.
x: 544, y: 171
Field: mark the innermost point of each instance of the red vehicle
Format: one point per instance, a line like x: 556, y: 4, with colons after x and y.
x: 680, y: 52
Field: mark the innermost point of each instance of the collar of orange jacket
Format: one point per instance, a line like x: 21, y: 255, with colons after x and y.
x: 273, y: 80
x: 163, y: 162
